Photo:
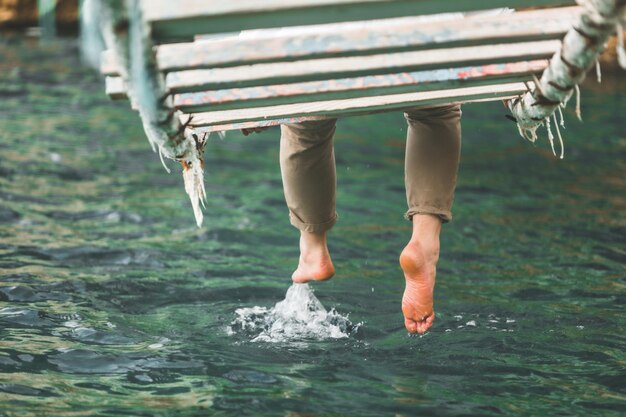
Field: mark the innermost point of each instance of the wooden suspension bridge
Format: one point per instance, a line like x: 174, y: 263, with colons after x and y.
x: 193, y: 67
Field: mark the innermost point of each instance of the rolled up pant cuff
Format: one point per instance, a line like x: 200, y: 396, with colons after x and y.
x: 443, y: 214
x: 312, y: 227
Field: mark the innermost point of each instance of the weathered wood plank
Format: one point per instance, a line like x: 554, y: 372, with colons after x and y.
x: 114, y: 88
x: 366, y: 86
x: 108, y: 63
x: 358, y: 105
x: 186, y: 18
x: 300, y: 119
x: 325, y: 68
x: 390, y: 35
x: 347, y: 87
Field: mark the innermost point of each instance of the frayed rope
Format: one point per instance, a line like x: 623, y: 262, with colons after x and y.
x: 163, y: 161
x: 578, y: 112
x: 621, y: 51
x: 558, y: 133
x: 550, y: 135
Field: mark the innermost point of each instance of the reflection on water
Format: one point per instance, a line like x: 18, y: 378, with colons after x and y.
x: 113, y: 303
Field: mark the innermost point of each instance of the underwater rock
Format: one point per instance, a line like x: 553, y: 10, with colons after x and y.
x: 254, y: 377
x: 8, y: 215
x: 26, y: 390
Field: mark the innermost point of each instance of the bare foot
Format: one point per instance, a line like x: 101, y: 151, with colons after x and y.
x: 419, y: 261
x: 315, y: 263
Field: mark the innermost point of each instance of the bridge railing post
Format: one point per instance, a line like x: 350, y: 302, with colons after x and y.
x: 47, y: 19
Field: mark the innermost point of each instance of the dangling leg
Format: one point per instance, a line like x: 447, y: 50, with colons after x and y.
x: 307, y: 163
x: 431, y: 165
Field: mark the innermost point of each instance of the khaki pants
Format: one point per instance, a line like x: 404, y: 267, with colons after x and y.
x: 307, y: 162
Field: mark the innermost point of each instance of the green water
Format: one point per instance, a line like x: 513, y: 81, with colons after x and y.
x: 112, y: 302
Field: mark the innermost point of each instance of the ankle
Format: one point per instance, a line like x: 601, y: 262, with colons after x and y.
x: 425, y: 237
x: 315, y: 263
x: 313, y: 241
x: 313, y: 246
x: 428, y: 248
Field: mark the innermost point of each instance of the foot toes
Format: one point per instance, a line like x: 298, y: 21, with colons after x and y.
x: 419, y: 326
x: 411, y: 325
x: 425, y: 324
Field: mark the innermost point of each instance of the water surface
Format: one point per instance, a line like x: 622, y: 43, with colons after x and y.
x: 113, y: 303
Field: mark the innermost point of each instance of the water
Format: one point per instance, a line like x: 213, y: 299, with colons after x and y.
x: 113, y: 303
x: 298, y: 318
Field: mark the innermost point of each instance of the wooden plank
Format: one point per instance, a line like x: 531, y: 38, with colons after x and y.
x: 108, y: 64
x: 343, y: 88
x: 366, y: 86
x: 390, y: 35
x: 358, y: 105
x: 325, y: 68
x: 114, y: 88
x: 300, y: 119
x: 183, y: 19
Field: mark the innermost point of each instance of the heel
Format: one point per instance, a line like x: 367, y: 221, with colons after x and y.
x: 412, y: 258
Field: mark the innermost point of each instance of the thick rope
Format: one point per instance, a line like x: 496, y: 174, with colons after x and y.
x: 579, y: 51
x: 128, y: 36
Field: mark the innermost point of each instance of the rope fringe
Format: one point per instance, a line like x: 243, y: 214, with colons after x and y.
x: 561, y: 116
x: 558, y: 133
x: 550, y: 135
x: 530, y: 133
x: 163, y: 161
x: 521, y: 132
x: 193, y: 177
x: 621, y: 52
x: 578, y: 112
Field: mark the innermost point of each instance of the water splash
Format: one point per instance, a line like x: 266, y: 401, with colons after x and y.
x: 300, y: 316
